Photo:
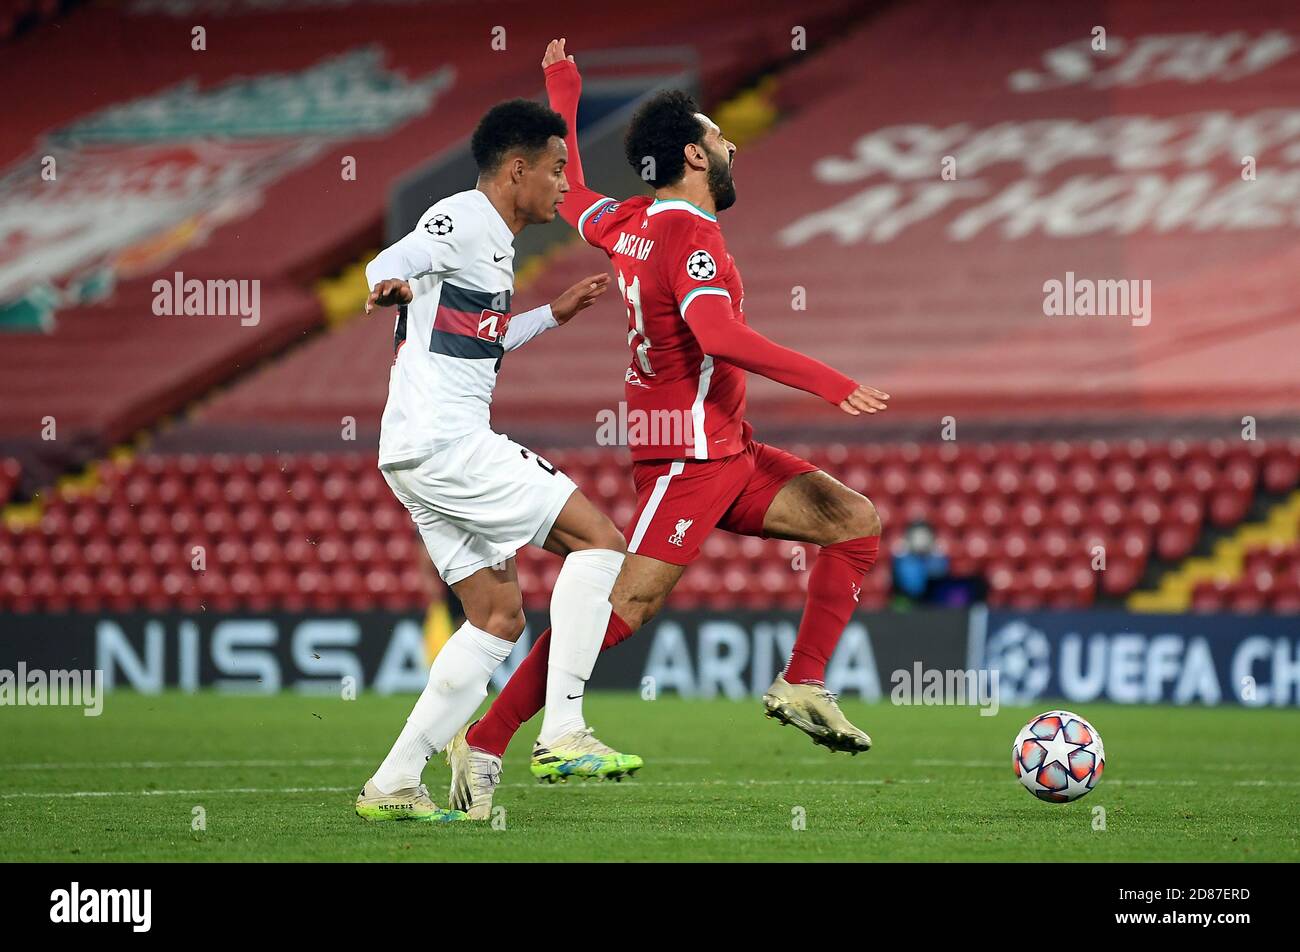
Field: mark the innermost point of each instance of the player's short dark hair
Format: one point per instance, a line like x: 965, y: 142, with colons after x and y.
x: 514, y: 125
x: 661, y: 128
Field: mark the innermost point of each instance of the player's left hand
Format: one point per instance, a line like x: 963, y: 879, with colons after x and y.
x: 581, y: 295
x: 555, y: 54
x: 864, y: 400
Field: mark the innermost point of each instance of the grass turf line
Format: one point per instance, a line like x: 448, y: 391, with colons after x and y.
x: 277, y: 776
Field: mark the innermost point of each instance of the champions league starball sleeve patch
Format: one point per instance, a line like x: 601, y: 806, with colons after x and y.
x: 700, y: 265
x: 439, y: 225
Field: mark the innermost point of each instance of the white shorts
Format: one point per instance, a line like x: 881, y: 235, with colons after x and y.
x: 479, y: 500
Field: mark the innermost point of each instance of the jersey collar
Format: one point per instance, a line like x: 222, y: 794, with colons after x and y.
x: 680, y: 204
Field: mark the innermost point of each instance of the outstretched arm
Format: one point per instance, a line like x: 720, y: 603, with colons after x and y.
x: 564, y: 89
x: 700, y: 271
x: 708, y: 312
x: 524, y: 327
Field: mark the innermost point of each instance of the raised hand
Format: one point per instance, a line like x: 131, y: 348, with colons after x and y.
x: 555, y: 54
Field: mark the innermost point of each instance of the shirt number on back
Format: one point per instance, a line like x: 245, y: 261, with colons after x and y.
x: 636, y: 332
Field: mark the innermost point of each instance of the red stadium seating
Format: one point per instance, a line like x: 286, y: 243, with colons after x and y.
x: 281, y: 213
x: 1270, y: 580
x: 949, y: 323
x: 323, y: 532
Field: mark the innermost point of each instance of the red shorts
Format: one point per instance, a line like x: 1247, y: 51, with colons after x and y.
x: 679, y: 502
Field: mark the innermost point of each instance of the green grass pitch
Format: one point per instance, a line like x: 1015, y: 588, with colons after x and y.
x: 276, y: 777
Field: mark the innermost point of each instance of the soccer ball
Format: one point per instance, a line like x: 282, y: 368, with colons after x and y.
x: 1058, y: 756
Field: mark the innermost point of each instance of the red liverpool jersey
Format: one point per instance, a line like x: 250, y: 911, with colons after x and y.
x: 685, y: 304
x: 668, y: 255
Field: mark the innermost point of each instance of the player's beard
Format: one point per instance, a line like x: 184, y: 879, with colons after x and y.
x: 722, y: 187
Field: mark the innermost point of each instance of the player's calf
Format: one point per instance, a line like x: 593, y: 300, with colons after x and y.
x: 814, y: 507
x: 641, y: 590
x: 593, y: 553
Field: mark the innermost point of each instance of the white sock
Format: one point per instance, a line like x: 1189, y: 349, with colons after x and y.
x: 579, y: 616
x: 458, y: 680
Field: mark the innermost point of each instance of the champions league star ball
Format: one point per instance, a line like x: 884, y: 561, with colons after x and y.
x: 1058, y: 756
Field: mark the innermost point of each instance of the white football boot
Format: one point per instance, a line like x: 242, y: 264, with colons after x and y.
x: 412, y: 804
x: 582, y: 755
x: 814, y: 710
x: 474, y: 777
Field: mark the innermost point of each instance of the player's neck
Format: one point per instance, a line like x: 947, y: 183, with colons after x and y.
x: 504, y: 206
x: 697, y: 193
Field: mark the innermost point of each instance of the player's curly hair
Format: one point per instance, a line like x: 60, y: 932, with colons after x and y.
x: 661, y: 128
x: 514, y: 125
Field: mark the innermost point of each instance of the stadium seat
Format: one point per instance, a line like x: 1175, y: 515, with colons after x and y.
x: 297, y: 531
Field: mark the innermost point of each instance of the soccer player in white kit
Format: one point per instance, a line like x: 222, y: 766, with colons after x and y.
x: 475, y: 495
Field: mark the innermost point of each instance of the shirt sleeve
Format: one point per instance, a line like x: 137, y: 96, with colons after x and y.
x: 442, y: 243
x: 583, y: 208
x: 524, y: 327
x: 698, y: 264
x: 706, y: 306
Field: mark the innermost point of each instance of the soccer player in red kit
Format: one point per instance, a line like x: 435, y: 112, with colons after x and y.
x: 691, y: 348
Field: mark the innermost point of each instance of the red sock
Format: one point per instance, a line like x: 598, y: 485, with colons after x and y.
x: 616, y: 631
x: 833, y: 589
x: 525, y: 692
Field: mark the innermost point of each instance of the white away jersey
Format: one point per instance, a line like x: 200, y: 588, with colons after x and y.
x: 448, y: 341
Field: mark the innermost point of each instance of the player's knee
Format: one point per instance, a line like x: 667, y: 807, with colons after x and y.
x: 507, y: 626
x: 612, y: 539
x: 505, y: 621
x: 605, y: 535
x: 857, y: 519
x: 865, y: 519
